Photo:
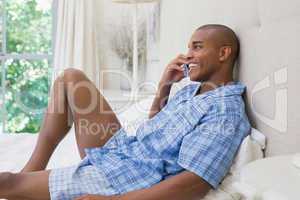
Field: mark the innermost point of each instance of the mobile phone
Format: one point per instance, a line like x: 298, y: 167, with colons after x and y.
x: 186, y: 70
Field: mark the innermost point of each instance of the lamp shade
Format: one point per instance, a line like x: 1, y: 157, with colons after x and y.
x: 134, y: 1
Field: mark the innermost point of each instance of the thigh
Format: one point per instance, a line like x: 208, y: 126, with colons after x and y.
x: 32, y: 185
x: 95, y: 121
x: 75, y: 181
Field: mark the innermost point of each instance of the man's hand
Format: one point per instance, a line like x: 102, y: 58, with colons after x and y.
x: 96, y: 197
x: 174, y: 71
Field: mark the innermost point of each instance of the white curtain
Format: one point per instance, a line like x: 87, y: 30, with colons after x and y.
x: 75, y: 37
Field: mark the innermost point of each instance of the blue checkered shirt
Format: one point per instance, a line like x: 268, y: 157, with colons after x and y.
x: 200, y: 134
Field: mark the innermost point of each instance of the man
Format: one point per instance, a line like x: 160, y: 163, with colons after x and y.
x: 183, y: 150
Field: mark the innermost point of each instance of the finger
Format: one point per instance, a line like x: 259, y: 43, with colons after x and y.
x: 175, y: 67
x: 182, y: 56
x: 180, y: 61
x: 179, y: 77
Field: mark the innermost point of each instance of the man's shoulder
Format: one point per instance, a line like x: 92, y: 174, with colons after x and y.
x: 227, y: 105
x: 187, y: 89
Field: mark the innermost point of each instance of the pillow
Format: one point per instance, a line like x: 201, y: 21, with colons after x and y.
x: 136, y: 114
x: 252, y: 148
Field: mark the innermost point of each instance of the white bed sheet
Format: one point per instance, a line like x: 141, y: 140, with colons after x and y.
x: 15, y: 150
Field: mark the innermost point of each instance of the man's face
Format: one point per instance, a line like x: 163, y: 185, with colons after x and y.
x: 203, y: 55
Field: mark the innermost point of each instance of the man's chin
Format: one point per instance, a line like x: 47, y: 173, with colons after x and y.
x: 196, y: 78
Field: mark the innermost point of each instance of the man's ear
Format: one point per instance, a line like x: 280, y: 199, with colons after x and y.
x: 225, y: 53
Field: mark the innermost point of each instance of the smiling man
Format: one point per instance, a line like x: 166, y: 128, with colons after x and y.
x: 185, y: 148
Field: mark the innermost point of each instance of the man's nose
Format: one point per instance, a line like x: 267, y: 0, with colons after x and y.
x: 189, y: 55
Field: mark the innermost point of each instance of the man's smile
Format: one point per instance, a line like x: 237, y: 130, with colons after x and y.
x: 193, y: 66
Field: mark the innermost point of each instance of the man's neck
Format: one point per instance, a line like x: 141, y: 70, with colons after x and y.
x: 211, y: 85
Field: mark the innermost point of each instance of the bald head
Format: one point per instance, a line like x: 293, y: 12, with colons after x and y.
x: 223, y: 36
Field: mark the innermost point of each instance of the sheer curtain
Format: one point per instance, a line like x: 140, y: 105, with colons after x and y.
x: 75, y: 42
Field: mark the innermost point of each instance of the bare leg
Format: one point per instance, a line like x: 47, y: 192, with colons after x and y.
x: 25, y: 186
x: 55, y: 126
x: 95, y: 122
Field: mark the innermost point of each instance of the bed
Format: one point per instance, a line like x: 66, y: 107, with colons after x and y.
x: 15, y: 150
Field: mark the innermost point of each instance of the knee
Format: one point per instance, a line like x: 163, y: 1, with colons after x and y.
x: 72, y: 74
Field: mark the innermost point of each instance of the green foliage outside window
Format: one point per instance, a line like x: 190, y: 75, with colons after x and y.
x: 27, y: 81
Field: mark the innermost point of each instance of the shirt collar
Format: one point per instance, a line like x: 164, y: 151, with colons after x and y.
x: 236, y: 88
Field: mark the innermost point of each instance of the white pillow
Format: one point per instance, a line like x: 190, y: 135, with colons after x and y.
x: 136, y: 114
x: 252, y: 148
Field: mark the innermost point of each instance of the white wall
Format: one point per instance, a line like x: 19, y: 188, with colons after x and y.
x: 110, y: 15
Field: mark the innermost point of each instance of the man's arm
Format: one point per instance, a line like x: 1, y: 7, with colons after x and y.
x: 161, y: 98
x: 184, y: 186
x: 173, y: 73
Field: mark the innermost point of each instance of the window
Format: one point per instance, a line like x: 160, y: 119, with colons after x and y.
x: 26, y: 57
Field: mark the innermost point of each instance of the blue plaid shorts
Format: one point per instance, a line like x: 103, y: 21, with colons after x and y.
x: 71, y: 182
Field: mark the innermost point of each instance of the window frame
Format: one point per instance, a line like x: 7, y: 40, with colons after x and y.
x: 4, y: 56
